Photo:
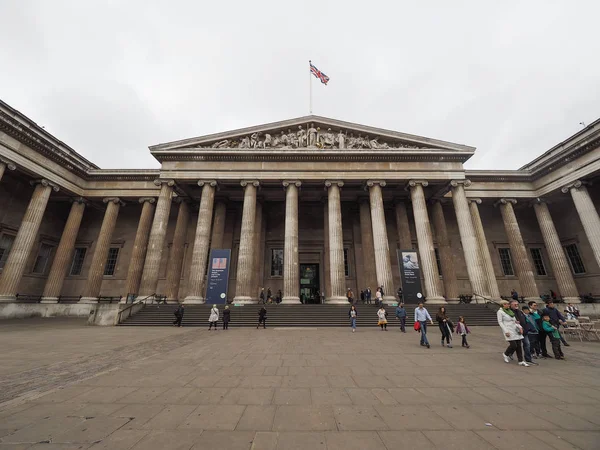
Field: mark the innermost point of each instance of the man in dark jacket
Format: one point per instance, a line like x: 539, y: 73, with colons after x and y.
x: 178, y: 315
x: 262, y: 317
x: 401, y: 316
x: 362, y: 297
x: 533, y: 306
x: 368, y: 295
x: 556, y: 319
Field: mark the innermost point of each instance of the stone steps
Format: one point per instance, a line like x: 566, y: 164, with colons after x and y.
x: 302, y: 315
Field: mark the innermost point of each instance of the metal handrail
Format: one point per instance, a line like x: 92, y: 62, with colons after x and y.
x: 132, y: 305
x: 487, y: 299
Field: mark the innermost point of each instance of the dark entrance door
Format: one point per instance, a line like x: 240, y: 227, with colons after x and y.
x: 309, y: 283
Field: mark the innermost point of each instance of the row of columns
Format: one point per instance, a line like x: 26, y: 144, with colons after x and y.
x: 150, y: 237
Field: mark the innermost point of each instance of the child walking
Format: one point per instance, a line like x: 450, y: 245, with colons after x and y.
x: 554, y: 335
x: 463, y: 330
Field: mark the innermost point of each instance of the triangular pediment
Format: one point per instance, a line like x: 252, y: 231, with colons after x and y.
x: 311, y: 132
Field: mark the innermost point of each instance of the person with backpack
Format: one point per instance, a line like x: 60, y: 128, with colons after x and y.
x: 178, y: 315
x: 262, y: 317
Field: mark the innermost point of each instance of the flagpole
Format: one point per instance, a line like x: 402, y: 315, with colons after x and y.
x: 309, y: 88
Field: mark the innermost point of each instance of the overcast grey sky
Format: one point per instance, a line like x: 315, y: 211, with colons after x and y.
x: 110, y: 78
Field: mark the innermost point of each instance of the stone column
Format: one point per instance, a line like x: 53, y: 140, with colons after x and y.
x: 366, y: 234
x: 404, y: 239
x: 23, y: 244
x: 218, y: 228
x: 64, y: 253
x: 327, y: 268
x: 258, y: 251
x: 4, y: 164
x: 93, y: 284
x: 517, y: 249
x: 291, y: 270
x: 428, y: 265
x: 201, y: 243
x: 587, y: 214
x: 380, y: 240
x: 468, y: 238
x: 175, y: 262
x: 446, y: 257
x: 140, y: 245
x: 488, y: 266
x: 245, y: 257
x: 336, y: 243
x: 558, y: 260
x: 156, y: 241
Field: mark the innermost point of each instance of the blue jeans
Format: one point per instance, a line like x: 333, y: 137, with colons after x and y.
x: 527, y: 348
x: 353, y: 322
x: 424, y: 340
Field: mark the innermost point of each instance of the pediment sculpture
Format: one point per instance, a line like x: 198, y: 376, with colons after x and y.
x: 311, y: 137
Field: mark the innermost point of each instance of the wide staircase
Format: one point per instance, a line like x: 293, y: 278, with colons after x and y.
x: 303, y: 315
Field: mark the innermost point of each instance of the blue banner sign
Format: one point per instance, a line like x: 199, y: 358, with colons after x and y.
x: 218, y: 276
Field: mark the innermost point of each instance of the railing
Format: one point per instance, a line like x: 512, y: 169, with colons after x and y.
x: 110, y: 299
x: 486, y: 300
x: 129, y: 308
x: 27, y: 298
x: 68, y: 299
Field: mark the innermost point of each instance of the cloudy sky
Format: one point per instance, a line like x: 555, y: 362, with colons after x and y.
x: 111, y: 77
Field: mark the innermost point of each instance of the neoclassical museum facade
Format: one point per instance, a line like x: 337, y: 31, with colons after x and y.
x: 306, y: 206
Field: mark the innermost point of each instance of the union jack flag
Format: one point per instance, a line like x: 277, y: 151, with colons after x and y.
x: 318, y: 74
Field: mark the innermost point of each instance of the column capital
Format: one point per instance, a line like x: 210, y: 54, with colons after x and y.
x: 413, y: 183
x: 574, y: 185
x: 9, y: 164
x: 45, y: 183
x: 539, y: 201
x: 474, y: 200
x: 287, y: 183
x: 80, y: 200
x: 371, y: 183
x: 254, y: 183
x: 329, y: 183
x: 160, y: 182
x: 143, y: 200
x: 506, y: 201
x: 115, y: 200
x: 456, y: 183
x: 211, y: 183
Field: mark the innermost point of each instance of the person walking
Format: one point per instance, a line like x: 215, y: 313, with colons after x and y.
x: 421, y: 317
x: 532, y: 333
x: 382, y: 316
x: 513, y: 333
x: 399, y: 293
x: 262, y: 317
x: 444, y: 325
x: 350, y: 296
x: 552, y: 331
x: 352, y: 314
x: 178, y: 315
x: 213, y: 318
x: 226, y: 317
x: 401, y: 316
x: 368, y: 295
x: 362, y: 297
x: 463, y: 330
x: 556, y: 319
x: 525, y: 326
x: 540, y: 349
x: 378, y: 297
x: 262, y: 296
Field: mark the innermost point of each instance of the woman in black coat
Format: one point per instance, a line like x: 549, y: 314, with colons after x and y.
x: 445, y: 325
x: 226, y: 318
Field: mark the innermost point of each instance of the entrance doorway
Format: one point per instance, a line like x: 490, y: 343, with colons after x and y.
x: 309, y: 284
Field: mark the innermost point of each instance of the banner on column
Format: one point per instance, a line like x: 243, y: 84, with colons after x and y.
x: 410, y: 272
x: 218, y: 276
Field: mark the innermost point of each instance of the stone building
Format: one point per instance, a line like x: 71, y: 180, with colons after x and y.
x: 306, y: 205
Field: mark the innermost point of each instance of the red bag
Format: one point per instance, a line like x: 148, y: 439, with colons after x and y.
x: 417, y: 326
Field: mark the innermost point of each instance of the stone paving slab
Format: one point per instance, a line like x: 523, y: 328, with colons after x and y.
x: 162, y: 388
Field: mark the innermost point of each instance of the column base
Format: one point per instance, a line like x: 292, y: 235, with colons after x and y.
x: 246, y: 300
x: 193, y: 300
x: 88, y: 300
x: 436, y: 301
x: 8, y: 298
x: 337, y: 301
x: 389, y: 299
x: 452, y: 301
x: 290, y: 300
x: 571, y: 299
x: 49, y: 300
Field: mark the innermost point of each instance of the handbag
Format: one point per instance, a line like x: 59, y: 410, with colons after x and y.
x: 417, y: 326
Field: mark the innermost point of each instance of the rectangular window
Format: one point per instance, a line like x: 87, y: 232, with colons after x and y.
x: 437, y: 260
x: 574, y: 259
x: 78, y: 258
x: 538, y: 261
x: 6, y: 243
x: 277, y: 262
x: 41, y: 261
x: 346, y: 266
x: 506, y: 261
x: 111, y: 261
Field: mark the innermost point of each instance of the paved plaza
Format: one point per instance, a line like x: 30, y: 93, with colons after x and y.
x: 65, y: 385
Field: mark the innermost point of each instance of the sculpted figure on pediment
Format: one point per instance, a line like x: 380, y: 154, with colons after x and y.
x: 268, y: 140
x: 301, y: 134
x: 312, y: 136
x: 245, y: 143
x: 341, y: 140
x: 292, y: 139
x: 254, y: 139
x: 327, y: 139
